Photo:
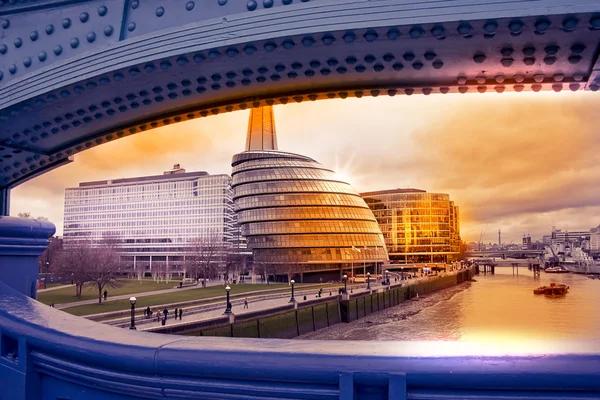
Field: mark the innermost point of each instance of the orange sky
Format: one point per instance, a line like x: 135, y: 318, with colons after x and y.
x: 516, y: 162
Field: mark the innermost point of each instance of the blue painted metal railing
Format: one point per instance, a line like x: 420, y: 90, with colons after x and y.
x: 48, y: 354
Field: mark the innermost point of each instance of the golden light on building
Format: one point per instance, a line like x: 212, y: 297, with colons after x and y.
x: 417, y: 226
x: 296, y: 213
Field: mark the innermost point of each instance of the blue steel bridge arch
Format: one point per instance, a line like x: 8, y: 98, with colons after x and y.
x: 78, y: 73
x: 75, y: 74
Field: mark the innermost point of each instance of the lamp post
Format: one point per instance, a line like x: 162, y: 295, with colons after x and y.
x: 345, y: 283
x: 228, y: 308
x: 387, y: 277
x: 368, y: 281
x: 132, y: 301
x: 292, y: 283
x: 402, y: 271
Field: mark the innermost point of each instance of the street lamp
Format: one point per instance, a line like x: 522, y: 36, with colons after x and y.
x: 402, y: 271
x: 132, y: 300
x: 368, y: 281
x: 292, y: 283
x: 228, y: 308
x: 345, y: 283
x: 387, y: 277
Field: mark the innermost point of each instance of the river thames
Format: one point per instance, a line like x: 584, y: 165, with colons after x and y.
x: 500, y: 307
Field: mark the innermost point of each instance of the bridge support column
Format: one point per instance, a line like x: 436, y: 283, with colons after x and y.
x: 22, y: 240
x: 4, y: 201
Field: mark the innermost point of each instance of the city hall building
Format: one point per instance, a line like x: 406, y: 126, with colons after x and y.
x: 418, y: 227
x: 298, y: 217
x: 155, y: 218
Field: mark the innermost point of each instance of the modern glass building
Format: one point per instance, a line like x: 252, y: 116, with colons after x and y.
x: 155, y: 218
x: 417, y: 226
x: 298, y: 217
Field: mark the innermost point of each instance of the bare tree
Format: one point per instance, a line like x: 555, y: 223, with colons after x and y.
x: 28, y: 215
x: 204, y: 257
x: 104, y: 263
x: 72, y: 263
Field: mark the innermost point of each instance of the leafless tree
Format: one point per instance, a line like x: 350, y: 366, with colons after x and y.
x: 104, y: 264
x: 204, y: 257
x: 72, y: 263
x: 28, y: 215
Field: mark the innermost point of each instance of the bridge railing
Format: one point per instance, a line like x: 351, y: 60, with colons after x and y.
x: 46, y: 353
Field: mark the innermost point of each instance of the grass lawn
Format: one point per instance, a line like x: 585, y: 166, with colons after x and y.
x: 129, y: 286
x: 174, y: 297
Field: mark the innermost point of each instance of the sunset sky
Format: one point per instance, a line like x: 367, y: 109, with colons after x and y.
x: 516, y: 162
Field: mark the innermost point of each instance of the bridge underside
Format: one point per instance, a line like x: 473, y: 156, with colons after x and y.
x: 74, y: 75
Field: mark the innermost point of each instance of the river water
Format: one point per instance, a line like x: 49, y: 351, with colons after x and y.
x: 500, y: 307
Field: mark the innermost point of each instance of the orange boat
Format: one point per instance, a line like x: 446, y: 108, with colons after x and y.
x: 553, y: 290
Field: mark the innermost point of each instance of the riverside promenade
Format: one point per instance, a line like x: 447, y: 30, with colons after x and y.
x: 276, y: 316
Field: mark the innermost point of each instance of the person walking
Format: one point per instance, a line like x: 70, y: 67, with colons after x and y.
x: 105, y: 294
x: 148, y: 311
x: 175, y: 313
x: 157, y: 316
x: 180, y: 312
x: 165, y: 312
x: 246, y: 302
x: 52, y: 304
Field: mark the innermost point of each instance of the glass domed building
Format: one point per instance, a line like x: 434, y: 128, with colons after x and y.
x: 298, y: 217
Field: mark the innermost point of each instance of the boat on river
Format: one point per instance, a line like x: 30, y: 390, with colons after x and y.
x: 556, y: 270
x: 554, y: 290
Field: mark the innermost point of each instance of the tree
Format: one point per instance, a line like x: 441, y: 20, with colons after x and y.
x: 204, y: 256
x: 28, y: 215
x: 94, y: 262
x: 104, y: 263
x: 72, y: 263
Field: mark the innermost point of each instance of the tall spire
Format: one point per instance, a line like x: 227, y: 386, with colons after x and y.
x: 261, y: 129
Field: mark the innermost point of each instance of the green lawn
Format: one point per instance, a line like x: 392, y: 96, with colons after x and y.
x: 129, y: 286
x: 174, y: 297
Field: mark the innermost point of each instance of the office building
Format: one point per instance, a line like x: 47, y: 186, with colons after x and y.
x: 155, y: 218
x: 417, y: 226
x: 298, y: 217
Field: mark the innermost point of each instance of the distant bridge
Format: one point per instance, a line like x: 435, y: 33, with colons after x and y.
x: 505, y: 253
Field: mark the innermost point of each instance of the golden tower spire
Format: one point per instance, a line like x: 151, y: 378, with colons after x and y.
x: 261, y: 129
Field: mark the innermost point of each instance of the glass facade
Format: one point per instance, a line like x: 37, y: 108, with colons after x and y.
x: 155, y: 217
x: 417, y: 226
x: 292, y: 210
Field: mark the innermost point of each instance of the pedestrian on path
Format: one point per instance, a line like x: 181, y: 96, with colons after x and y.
x: 180, y: 312
x: 175, y: 313
x: 148, y: 311
x: 105, y: 295
x: 52, y: 304
x: 246, y: 302
x: 165, y: 312
x: 157, y: 316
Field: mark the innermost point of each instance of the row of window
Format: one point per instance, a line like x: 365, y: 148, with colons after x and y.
x: 292, y: 187
x: 333, y: 226
x: 274, y: 163
x: 274, y: 174
x: 400, y: 197
x: 346, y: 255
x: 303, y: 213
x: 315, y: 240
x: 299, y: 199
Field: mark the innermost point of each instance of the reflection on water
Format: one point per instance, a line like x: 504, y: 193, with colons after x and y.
x: 500, y: 307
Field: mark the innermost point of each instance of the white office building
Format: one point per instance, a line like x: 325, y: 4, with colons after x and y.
x: 155, y: 218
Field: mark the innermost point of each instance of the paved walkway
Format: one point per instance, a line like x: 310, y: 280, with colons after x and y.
x: 253, y: 306
x: 54, y: 288
x: 260, y: 305
x: 127, y: 296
